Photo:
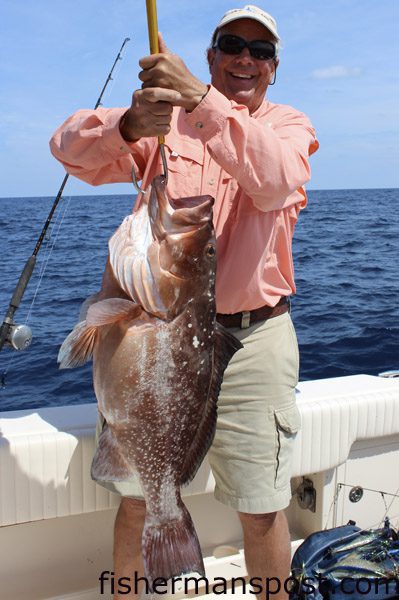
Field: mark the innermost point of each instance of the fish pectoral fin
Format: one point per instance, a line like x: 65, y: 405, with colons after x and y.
x: 109, y: 462
x: 78, y: 346
x: 225, y: 346
x: 106, y: 312
x: 86, y: 305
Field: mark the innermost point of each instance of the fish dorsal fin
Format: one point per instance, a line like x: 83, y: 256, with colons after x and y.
x: 106, y: 312
x: 225, y: 346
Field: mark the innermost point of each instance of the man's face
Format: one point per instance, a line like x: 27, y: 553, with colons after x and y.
x: 241, y: 77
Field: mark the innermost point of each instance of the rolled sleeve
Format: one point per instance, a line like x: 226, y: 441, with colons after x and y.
x: 209, y: 117
x: 91, y: 147
x: 113, y: 140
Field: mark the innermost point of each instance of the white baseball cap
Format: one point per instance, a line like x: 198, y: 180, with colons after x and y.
x: 250, y: 12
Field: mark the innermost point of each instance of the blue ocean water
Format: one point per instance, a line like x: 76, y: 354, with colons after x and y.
x: 346, y: 310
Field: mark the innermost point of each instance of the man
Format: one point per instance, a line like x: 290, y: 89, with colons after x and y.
x: 226, y: 140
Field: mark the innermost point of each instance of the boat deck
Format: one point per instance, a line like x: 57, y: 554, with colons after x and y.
x: 56, y: 525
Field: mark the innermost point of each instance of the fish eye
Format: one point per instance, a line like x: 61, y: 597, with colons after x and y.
x: 210, y: 250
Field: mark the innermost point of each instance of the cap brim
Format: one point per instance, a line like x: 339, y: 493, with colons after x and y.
x: 253, y: 17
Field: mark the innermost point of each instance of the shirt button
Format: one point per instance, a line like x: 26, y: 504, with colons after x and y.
x: 211, y: 181
x: 199, y: 125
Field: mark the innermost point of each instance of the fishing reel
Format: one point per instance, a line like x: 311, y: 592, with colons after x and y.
x: 18, y: 337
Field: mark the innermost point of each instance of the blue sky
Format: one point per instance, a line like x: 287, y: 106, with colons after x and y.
x: 339, y: 64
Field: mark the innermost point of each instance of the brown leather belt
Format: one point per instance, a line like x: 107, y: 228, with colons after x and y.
x: 247, y: 318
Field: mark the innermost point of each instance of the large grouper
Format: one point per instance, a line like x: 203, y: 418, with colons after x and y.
x: 158, y: 361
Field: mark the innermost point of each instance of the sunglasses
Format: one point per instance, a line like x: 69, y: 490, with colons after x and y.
x: 233, y: 44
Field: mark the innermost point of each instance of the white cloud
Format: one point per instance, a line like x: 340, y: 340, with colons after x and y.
x: 336, y: 72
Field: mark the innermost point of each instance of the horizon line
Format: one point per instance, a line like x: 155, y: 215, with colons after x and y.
x: 355, y: 189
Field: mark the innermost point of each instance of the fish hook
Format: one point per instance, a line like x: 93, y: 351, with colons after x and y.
x: 164, y: 164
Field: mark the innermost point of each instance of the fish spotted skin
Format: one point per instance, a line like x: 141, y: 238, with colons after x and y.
x: 158, y: 363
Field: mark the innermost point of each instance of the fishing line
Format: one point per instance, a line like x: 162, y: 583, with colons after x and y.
x: 334, y: 504
x: 51, y: 240
x: 392, y: 501
x: 370, y: 490
x: 378, y: 523
x: 48, y: 252
x: 386, y: 506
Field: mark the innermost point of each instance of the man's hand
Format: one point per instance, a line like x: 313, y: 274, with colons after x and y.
x: 149, y: 115
x: 168, y: 71
x: 166, y: 83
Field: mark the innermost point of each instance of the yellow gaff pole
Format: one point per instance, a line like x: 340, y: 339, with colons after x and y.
x: 154, y: 49
x: 152, y: 26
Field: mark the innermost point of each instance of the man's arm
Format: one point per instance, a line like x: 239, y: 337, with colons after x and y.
x: 101, y: 146
x: 267, y: 156
x: 91, y: 147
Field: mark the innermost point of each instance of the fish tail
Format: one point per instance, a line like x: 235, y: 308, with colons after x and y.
x: 171, y: 549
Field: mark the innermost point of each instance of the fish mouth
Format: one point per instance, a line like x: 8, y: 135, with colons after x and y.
x: 169, y: 216
x: 181, y: 227
x: 189, y: 202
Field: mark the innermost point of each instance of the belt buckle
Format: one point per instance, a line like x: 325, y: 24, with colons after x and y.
x: 245, y: 319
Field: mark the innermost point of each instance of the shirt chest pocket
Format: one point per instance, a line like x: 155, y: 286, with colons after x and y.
x: 185, y: 168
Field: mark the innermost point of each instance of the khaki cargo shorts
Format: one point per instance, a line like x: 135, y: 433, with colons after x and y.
x: 257, y: 422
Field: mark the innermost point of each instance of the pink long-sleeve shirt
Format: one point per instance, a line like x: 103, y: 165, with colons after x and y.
x: 255, y: 166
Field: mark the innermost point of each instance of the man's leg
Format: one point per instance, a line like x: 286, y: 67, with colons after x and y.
x: 128, y: 530
x: 267, y: 548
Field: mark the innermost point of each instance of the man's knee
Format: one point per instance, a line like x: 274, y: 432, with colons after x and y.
x: 259, y: 524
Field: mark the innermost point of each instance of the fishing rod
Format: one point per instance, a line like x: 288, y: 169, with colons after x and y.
x: 19, y: 337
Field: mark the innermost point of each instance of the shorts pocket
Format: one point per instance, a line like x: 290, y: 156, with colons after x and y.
x: 288, y: 423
